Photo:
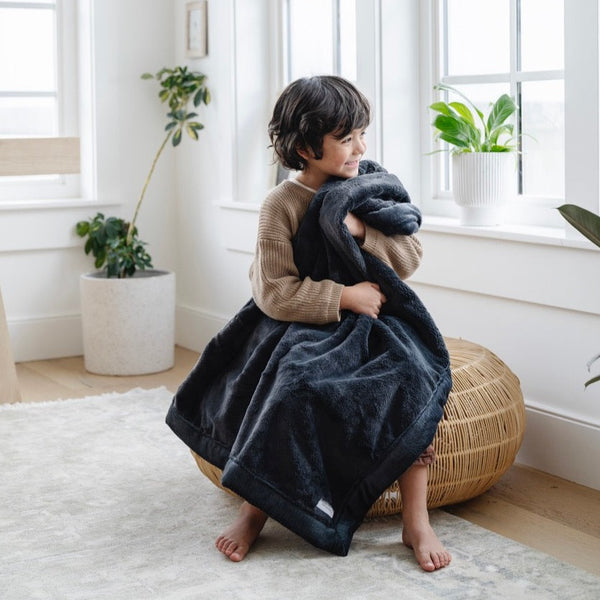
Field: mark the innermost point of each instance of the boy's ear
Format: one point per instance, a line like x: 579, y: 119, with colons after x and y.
x: 304, y: 153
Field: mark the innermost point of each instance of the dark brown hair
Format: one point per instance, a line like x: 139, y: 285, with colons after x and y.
x: 310, y: 108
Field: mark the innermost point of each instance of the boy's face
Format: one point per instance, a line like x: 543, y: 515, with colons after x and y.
x: 340, y: 158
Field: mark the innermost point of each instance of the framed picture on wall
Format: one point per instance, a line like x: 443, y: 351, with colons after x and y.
x: 196, y: 29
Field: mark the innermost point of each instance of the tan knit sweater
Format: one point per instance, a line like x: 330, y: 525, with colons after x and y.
x: 276, y: 286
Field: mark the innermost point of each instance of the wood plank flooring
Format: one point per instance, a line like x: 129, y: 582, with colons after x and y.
x: 538, y: 510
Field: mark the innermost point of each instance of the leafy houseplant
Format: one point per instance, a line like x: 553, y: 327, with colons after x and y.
x: 481, y: 154
x: 467, y: 130
x: 588, y: 224
x: 112, y: 241
x: 128, y: 308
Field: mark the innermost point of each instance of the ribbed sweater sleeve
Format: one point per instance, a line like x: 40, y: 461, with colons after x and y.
x: 401, y: 252
x: 276, y: 286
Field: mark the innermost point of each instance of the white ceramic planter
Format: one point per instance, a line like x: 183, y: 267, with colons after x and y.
x: 128, y: 324
x: 483, y: 183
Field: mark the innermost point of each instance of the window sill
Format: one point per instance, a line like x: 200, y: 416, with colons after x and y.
x: 240, y: 206
x: 547, y: 236
x: 57, y: 203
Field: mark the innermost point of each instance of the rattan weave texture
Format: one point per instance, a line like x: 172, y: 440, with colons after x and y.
x: 477, y: 439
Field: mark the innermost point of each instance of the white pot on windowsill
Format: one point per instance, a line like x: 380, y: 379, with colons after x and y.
x: 483, y: 184
x: 128, y: 324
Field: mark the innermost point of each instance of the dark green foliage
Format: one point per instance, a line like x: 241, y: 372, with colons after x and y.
x: 107, y: 242
x: 114, y: 242
x: 178, y: 85
x: 588, y: 224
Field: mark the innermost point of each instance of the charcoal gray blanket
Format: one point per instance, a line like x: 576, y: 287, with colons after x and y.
x: 312, y: 423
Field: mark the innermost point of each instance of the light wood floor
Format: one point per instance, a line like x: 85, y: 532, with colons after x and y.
x: 541, y: 511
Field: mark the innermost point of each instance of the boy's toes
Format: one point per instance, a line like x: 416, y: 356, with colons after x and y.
x: 432, y: 561
x: 426, y: 561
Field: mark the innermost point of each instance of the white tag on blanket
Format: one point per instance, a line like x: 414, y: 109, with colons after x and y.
x: 325, y: 507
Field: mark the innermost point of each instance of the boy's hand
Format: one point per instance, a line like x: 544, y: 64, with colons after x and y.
x: 363, y: 298
x: 355, y: 226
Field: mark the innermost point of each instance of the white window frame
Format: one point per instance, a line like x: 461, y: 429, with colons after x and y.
x: 368, y: 60
x: 582, y: 131
x: 57, y: 156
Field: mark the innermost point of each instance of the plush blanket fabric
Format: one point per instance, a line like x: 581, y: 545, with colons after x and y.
x: 312, y: 423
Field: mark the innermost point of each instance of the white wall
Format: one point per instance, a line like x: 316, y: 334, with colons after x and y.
x: 41, y: 258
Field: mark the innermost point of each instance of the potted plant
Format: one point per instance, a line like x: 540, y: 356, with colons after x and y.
x: 128, y: 308
x: 482, y: 155
x: 588, y: 224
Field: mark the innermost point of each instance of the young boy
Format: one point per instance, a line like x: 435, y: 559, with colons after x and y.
x: 318, y: 129
x: 329, y: 384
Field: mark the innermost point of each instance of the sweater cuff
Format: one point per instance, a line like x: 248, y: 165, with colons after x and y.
x: 336, y: 298
x: 372, y: 239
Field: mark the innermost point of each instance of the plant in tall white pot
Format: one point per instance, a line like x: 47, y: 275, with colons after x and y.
x: 128, y: 308
x: 483, y: 155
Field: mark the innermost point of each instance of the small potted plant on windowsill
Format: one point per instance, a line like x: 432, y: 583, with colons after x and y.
x: 128, y: 308
x: 483, y: 154
x: 588, y: 224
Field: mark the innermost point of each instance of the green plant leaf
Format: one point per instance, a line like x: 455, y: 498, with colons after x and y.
x: 448, y: 88
x: 191, y: 132
x: 176, y: 138
x: 507, y: 129
x: 586, y: 222
x: 463, y: 111
x: 455, y: 141
x: 454, y: 128
x: 592, y: 380
x: 147, y: 76
x: 503, y: 108
x: 82, y: 228
x: 441, y: 107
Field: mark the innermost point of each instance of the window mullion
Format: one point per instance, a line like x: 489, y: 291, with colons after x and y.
x: 336, y: 37
x: 515, y: 83
x: 582, y: 97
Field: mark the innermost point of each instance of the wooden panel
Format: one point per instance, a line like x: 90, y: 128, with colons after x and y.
x: 9, y: 387
x: 39, y: 156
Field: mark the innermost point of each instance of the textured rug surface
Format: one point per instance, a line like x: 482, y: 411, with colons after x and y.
x: 100, y: 500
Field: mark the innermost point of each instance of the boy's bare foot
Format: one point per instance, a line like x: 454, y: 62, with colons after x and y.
x: 235, y: 541
x: 429, y: 551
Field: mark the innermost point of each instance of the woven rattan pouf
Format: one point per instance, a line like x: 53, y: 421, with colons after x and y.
x: 477, y: 439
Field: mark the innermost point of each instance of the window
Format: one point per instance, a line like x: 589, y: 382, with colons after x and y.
x: 489, y: 48
x: 323, y: 37
x: 39, y: 143
x: 311, y: 20
x: 545, y: 53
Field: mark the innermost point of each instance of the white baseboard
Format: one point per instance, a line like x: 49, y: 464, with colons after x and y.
x: 42, y: 338
x: 561, y: 445
x: 194, y: 328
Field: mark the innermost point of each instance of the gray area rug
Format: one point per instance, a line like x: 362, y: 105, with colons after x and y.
x: 101, y: 500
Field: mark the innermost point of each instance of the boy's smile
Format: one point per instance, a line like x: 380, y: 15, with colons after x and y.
x: 341, y: 157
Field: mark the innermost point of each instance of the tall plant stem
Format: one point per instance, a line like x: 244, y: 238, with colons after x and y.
x: 149, y: 176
